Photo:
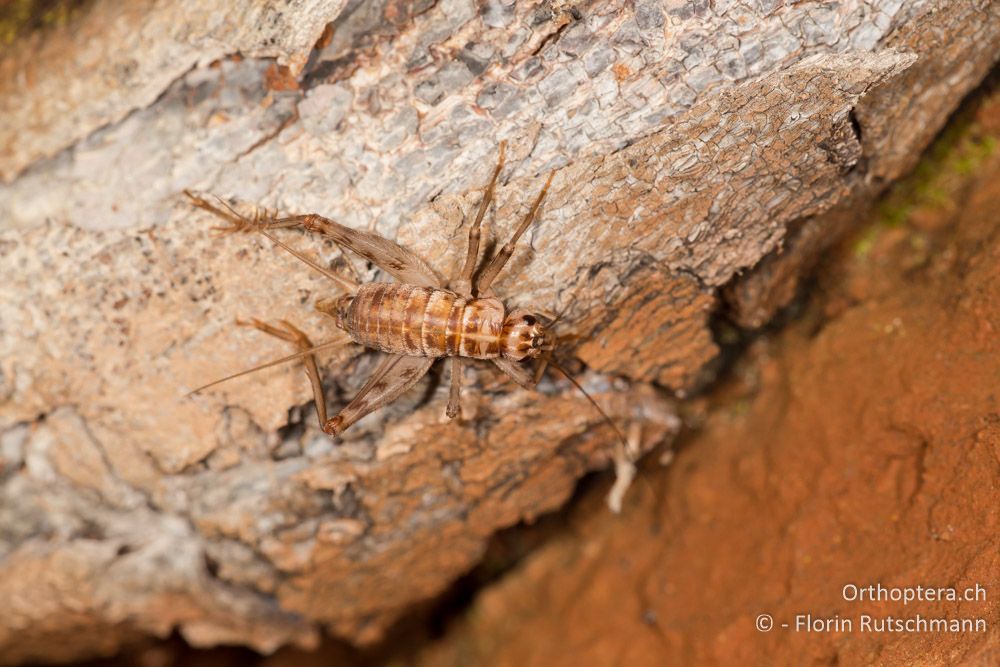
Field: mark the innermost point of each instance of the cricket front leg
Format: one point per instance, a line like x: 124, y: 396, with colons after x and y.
x: 515, y: 372
x: 395, y: 375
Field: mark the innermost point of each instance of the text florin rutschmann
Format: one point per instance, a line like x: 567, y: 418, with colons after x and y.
x: 915, y: 623
x: 869, y: 623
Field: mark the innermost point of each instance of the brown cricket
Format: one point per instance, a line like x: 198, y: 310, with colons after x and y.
x: 416, y: 320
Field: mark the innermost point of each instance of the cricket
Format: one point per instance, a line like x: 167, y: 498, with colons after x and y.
x: 415, y: 320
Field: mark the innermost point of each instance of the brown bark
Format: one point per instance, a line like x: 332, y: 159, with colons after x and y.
x: 687, y: 138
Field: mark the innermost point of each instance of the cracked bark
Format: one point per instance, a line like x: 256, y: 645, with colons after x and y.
x: 690, y: 141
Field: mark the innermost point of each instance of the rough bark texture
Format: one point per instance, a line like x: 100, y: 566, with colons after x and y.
x: 687, y: 139
x: 55, y: 89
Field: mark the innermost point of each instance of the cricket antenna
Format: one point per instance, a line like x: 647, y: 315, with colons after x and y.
x: 292, y: 357
x: 583, y: 391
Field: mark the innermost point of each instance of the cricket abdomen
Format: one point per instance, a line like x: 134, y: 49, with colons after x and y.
x: 424, y: 322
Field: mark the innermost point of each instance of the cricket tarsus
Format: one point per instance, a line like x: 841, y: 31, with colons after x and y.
x: 416, y: 320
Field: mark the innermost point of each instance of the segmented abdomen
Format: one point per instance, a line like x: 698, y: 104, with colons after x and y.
x: 424, y: 322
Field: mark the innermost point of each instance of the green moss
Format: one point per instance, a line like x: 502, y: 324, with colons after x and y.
x: 957, y: 153
x: 20, y: 17
x: 863, y: 246
x: 741, y: 407
x: 14, y: 15
x: 976, y: 153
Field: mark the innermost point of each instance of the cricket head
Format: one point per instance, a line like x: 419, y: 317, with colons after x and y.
x: 523, y: 336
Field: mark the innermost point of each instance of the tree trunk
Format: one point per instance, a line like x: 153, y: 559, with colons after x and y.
x: 690, y: 141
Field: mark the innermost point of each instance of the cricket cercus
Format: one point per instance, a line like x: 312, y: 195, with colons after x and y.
x: 415, y: 320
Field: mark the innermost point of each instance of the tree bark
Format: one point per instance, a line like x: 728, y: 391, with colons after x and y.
x: 689, y: 142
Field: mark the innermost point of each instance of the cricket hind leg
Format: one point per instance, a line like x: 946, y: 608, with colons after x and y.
x: 289, y: 332
x: 391, y: 379
x: 263, y: 224
x: 396, y: 260
x: 391, y: 257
